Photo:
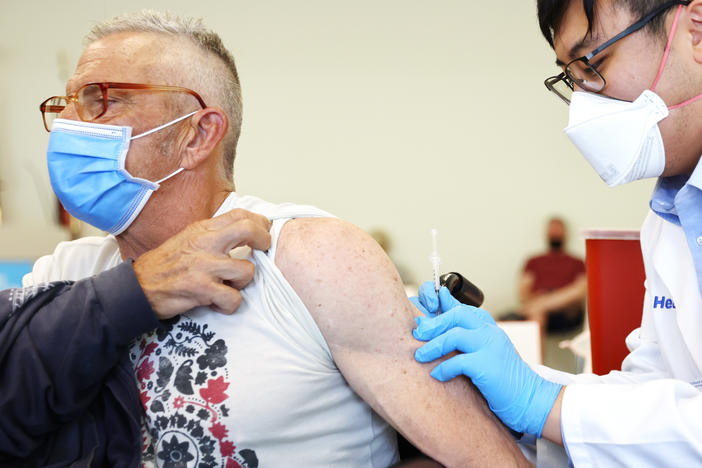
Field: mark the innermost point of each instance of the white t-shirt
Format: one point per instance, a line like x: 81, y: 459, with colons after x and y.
x: 256, y: 388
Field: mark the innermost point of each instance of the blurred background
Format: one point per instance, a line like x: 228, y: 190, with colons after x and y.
x: 396, y: 115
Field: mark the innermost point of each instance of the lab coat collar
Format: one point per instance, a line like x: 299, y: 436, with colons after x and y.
x: 678, y: 200
x: 667, y: 188
x: 663, y: 198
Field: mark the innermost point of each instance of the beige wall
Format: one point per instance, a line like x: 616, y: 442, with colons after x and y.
x: 399, y: 114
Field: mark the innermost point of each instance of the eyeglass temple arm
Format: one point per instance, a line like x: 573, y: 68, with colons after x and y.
x: 50, y: 108
x: 636, y: 26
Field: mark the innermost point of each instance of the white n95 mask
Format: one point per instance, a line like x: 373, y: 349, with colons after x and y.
x: 620, y: 139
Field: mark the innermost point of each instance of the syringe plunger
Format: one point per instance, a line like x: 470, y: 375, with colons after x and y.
x: 435, y: 260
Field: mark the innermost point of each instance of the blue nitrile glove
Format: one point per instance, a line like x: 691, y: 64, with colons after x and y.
x: 428, y: 303
x: 516, y: 394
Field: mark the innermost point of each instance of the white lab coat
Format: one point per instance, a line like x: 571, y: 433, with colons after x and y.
x: 650, y: 413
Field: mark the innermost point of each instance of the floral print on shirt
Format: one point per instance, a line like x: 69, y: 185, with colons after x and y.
x: 183, y: 382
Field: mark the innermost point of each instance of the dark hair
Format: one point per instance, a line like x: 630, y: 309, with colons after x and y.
x: 551, y: 13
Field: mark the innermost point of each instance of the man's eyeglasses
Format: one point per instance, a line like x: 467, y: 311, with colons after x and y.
x: 93, y: 99
x: 583, y: 74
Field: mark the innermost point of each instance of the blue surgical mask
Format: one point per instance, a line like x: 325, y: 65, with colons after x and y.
x: 87, y: 171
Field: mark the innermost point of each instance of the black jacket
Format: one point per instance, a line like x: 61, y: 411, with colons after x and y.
x: 67, y: 391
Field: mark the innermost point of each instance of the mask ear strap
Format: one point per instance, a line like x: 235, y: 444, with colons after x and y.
x: 149, y: 132
x: 159, y: 182
x: 667, y: 47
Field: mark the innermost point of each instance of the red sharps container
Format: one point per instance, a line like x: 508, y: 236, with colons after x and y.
x: 615, y: 293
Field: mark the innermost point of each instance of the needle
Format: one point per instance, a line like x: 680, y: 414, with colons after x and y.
x: 435, y: 261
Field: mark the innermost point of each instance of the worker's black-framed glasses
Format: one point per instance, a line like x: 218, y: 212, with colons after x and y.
x: 583, y: 74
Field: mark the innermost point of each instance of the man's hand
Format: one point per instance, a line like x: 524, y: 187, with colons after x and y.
x: 519, y: 397
x: 193, y: 268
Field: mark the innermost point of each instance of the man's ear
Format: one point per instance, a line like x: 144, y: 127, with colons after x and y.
x: 207, y: 128
x: 694, y: 12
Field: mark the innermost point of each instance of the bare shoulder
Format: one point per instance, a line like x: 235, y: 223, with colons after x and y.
x: 328, y: 249
x: 314, y: 235
x: 339, y: 271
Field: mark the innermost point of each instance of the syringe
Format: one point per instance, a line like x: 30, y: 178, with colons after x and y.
x: 435, y: 262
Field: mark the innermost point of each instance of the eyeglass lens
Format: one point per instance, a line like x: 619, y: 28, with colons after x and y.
x: 559, y: 86
x: 585, y: 76
x: 89, y: 102
x: 52, y: 108
x: 578, y: 73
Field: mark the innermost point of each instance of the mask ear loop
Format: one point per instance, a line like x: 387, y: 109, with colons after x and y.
x: 159, y: 182
x: 665, y: 59
x: 167, y: 124
x: 667, y: 48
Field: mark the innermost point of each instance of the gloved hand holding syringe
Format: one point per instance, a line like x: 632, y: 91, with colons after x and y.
x: 459, y: 287
x: 520, y: 397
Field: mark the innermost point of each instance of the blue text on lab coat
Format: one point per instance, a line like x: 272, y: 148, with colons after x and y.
x: 663, y: 303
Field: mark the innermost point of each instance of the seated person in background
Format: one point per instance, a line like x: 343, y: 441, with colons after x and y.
x: 316, y: 364
x: 553, y: 286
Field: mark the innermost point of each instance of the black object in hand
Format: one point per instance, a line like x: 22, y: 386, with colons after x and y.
x: 462, y: 289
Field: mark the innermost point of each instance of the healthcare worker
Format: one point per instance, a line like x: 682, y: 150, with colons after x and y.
x: 632, y: 76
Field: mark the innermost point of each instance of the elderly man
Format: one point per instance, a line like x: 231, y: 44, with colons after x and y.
x: 316, y: 364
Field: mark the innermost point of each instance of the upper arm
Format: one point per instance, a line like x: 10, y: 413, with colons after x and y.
x: 355, y: 295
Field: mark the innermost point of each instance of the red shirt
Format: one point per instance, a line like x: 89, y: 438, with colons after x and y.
x: 553, y: 270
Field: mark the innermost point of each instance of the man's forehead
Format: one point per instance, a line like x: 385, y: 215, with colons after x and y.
x: 122, y: 57
x: 556, y: 224
x: 574, y: 34
x: 129, y: 47
x: 576, y: 37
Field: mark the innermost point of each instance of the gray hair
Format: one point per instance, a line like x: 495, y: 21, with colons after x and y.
x: 220, y: 79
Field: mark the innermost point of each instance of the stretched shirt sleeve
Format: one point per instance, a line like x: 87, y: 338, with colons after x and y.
x: 58, y: 343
